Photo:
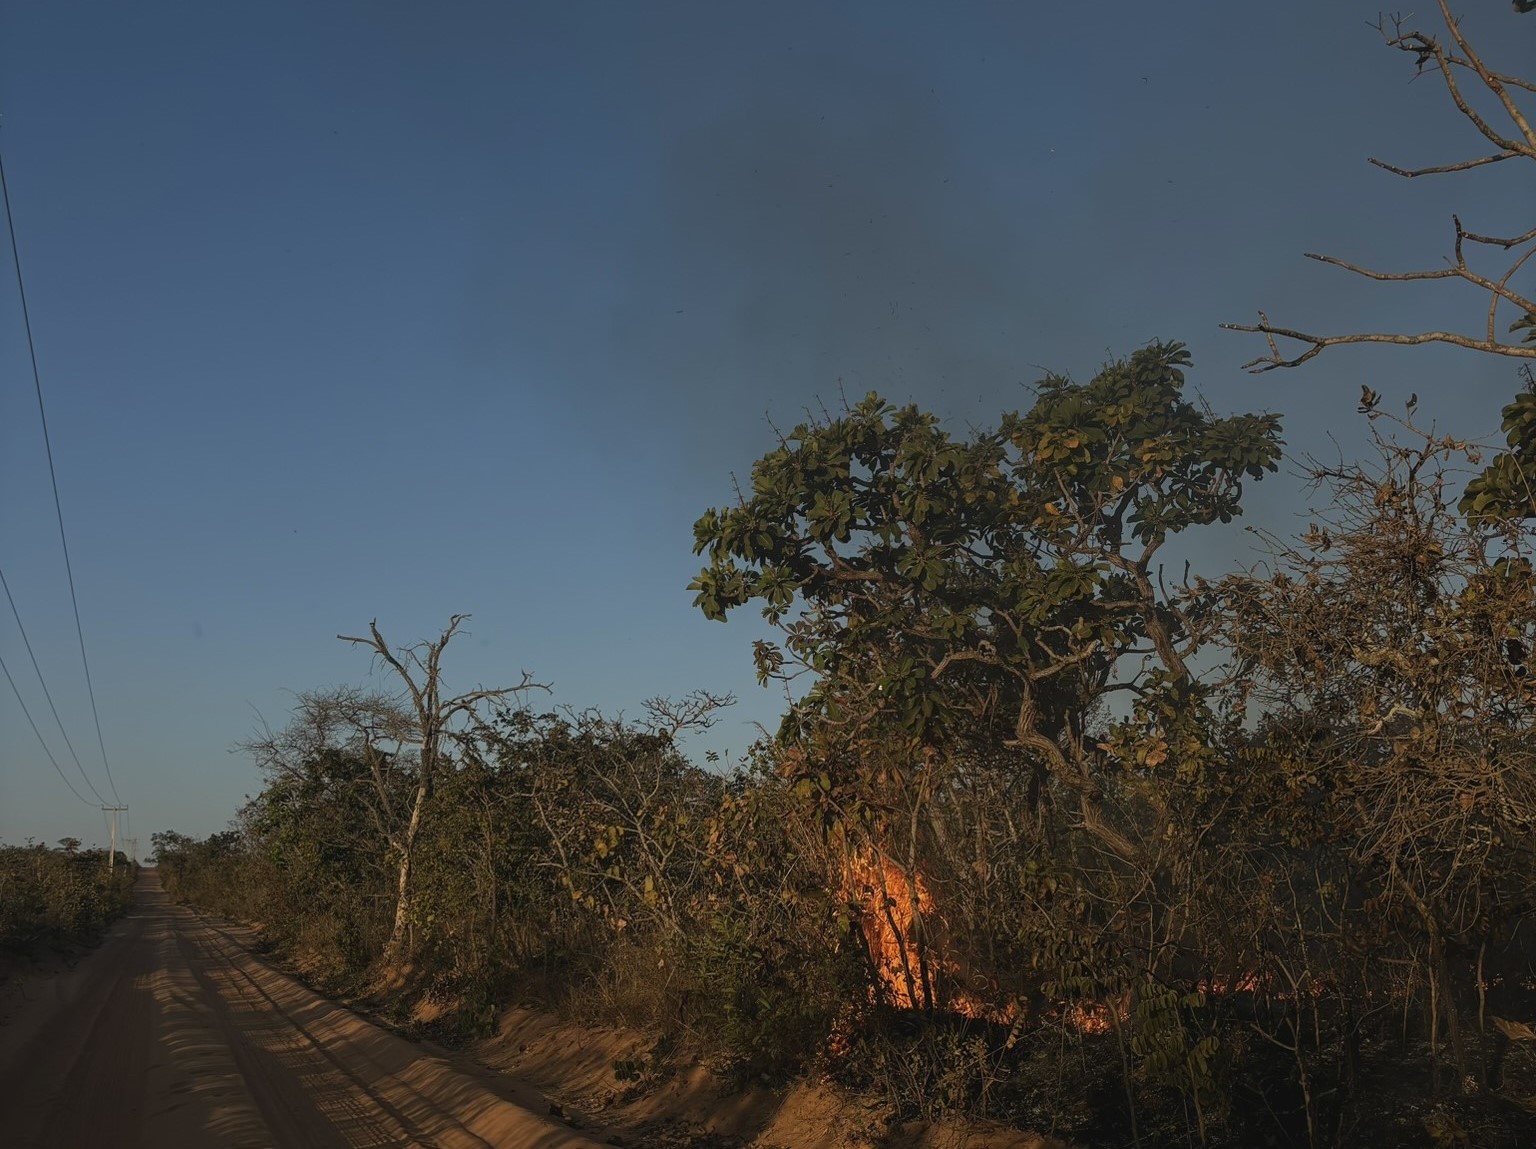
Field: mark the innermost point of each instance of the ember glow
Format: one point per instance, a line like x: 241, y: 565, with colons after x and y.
x: 895, y: 907
x: 1097, y: 1016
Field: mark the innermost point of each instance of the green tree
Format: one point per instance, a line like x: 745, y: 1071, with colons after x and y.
x: 934, y: 585
x: 965, y: 609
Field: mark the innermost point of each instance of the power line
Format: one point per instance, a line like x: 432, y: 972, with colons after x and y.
x: 27, y: 642
x: 62, y: 776
x: 58, y: 507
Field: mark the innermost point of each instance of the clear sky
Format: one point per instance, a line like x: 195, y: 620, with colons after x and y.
x: 394, y: 310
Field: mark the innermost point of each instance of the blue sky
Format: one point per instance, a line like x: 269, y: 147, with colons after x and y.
x: 395, y: 310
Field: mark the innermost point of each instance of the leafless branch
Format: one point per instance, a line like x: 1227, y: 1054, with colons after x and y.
x: 1491, y: 82
x: 1441, y: 169
x: 1319, y: 342
x: 1459, y: 56
x: 433, y: 718
x: 695, y: 711
x: 1495, y: 241
x: 1457, y: 270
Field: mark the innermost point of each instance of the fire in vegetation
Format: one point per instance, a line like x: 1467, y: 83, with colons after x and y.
x: 895, y: 906
x: 897, y: 911
x: 1097, y: 1016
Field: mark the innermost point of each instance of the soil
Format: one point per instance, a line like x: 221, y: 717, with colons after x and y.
x: 671, y: 1103
x: 176, y: 1032
x: 172, y: 1033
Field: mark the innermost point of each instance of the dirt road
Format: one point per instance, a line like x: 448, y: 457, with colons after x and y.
x: 172, y: 1034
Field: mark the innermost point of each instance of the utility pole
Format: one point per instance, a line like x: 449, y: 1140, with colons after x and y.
x: 112, y: 853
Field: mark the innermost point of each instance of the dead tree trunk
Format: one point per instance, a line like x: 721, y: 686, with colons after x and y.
x: 418, y: 668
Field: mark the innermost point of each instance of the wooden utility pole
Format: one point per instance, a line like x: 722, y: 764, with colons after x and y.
x: 112, y: 853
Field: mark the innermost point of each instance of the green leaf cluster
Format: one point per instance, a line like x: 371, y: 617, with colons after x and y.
x: 929, y: 581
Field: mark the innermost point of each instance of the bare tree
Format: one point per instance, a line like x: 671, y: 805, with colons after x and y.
x: 371, y: 727
x: 1509, y: 134
x: 418, y: 668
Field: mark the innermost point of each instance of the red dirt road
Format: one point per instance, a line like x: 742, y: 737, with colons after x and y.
x: 172, y: 1034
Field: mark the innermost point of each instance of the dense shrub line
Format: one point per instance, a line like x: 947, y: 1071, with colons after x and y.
x: 56, y: 898
x: 1246, y: 859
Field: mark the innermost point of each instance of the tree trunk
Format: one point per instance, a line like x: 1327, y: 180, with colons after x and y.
x: 395, y: 951
x: 433, y: 715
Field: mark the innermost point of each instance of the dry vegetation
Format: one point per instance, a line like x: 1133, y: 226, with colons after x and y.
x: 53, y: 899
x: 1012, y: 854
x: 1234, y: 858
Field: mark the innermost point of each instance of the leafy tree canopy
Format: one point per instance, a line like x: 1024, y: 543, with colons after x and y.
x: 928, y: 579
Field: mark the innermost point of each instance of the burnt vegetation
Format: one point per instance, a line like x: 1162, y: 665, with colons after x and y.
x: 1055, y: 829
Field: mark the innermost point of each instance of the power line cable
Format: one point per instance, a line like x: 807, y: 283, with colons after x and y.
x: 27, y: 642
x: 58, y: 507
x: 63, y: 777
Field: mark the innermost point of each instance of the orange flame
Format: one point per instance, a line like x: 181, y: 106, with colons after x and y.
x: 892, y: 918
x: 889, y: 915
x: 895, y: 907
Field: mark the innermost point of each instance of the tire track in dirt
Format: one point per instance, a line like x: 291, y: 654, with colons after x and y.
x: 306, y: 1094
x: 66, y: 1085
x: 173, y: 1034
